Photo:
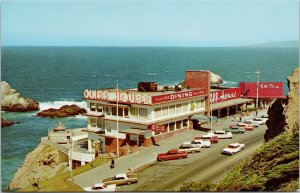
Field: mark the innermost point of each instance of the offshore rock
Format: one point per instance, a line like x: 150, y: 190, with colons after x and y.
x: 41, y: 164
x: 12, y: 101
x: 284, y: 113
x: 64, y: 111
x: 6, y: 123
x: 215, y: 79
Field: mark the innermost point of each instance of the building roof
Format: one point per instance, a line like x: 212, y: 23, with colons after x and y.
x: 229, y: 103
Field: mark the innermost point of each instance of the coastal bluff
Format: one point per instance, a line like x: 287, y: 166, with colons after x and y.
x: 284, y: 113
x: 41, y: 164
x: 12, y: 101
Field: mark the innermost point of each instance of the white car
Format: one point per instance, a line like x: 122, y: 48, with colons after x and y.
x: 189, y: 148
x: 233, y: 148
x: 201, y: 143
x: 100, y: 187
x: 221, y: 134
x: 256, y: 121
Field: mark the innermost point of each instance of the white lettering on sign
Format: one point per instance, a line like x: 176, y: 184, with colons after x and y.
x: 266, y: 86
x: 121, y: 96
x: 177, y: 96
x: 220, y: 96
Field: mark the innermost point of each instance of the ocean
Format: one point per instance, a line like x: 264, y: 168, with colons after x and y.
x: 55, y: 76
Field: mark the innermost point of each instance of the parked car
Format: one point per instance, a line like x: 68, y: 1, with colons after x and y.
x: 233, y: 148
x: 121, y: 179
x: 255, y: 121
x: 101, y: 187
x: 172, y: 154
x: 201, y: 143
x: 248, y: 127
x: 211, y: 139
x: 264, y: 118
x: 221, y: 134
x: 235, y: 129
x: 189, y: 148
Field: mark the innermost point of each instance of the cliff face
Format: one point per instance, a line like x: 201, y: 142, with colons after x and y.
x: 12, y: 101
x: 291, y: 111
x: 284, y: 113
x: 40, y: 164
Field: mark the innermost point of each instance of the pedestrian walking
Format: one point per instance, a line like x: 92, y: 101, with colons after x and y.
x: 256, y: 112
x: 112, y: 165
x: 241, y: 118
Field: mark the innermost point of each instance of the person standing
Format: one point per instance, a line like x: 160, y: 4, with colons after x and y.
x: 112, y: 165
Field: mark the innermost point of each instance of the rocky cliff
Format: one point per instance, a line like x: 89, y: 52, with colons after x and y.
x: 42, y: 163
x: 12, y: 101
x: 284, y: 113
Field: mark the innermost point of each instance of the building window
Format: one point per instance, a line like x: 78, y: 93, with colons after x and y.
x: 172, y: 110
x: 133, y: 111
x: 178, y: 108
x: 126, y: 112
x: 185, y: 107
x: 93, y: 106
x: 93, y: 122
x: 192, y: 106
x: 197, y: 104
x: 157, y: 112
x: 114, y: 111
x: 185, y: 123
x: 165, y: 111
x: 202, y: 103
x: 178, y: 125
x: 107, y: 111
x: 171, y: 126
x: 120, y: 112
x: 108, y: 127
x: 99, y: 108
x: 100, y: 123
x: 143, y: 112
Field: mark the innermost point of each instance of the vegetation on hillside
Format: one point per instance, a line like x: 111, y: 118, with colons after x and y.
x: 273, y: 167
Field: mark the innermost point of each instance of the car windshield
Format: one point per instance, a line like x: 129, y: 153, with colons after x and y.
x: 232, y: 146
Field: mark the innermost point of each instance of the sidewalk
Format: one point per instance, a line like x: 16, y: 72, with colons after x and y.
x: 148, y: 155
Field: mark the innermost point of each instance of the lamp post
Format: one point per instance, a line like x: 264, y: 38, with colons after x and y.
x: 257, y: 82
x: 117, y: 98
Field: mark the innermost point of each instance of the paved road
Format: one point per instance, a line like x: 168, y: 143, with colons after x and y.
x: 207, y: 165
x: 147, y: 155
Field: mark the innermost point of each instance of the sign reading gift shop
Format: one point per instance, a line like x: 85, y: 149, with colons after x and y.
x: 265, y: 89
x: 121, y: 96
x: 224, y: 95
x: 177, y: 96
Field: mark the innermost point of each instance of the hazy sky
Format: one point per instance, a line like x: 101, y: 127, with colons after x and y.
x: 145, y: 23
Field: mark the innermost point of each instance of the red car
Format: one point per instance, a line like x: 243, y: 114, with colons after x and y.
x: 213, y: 139
x: 172, y: 154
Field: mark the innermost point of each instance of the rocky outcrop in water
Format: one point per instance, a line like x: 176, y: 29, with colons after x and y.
x: 12, y: 101
x: 6, y: 123
x: 215, y: 79
x: 284, y: 113
x: 64, y: 111
x: 42, y: 163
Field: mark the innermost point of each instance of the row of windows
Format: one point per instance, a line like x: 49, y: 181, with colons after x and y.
x: 172, y: 126
x: 178, y: 108
x: 122, y: 112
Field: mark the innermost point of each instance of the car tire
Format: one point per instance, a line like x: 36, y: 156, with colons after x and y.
x: 193, y: 151
x: 128, y: 183
x: 162, y: 160
x: 180, y: 157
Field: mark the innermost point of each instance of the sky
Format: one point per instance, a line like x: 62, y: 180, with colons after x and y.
x: 201, y: 23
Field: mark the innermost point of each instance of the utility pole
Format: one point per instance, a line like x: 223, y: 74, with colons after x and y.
x: 117, y: 98
x: 257, y: 83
